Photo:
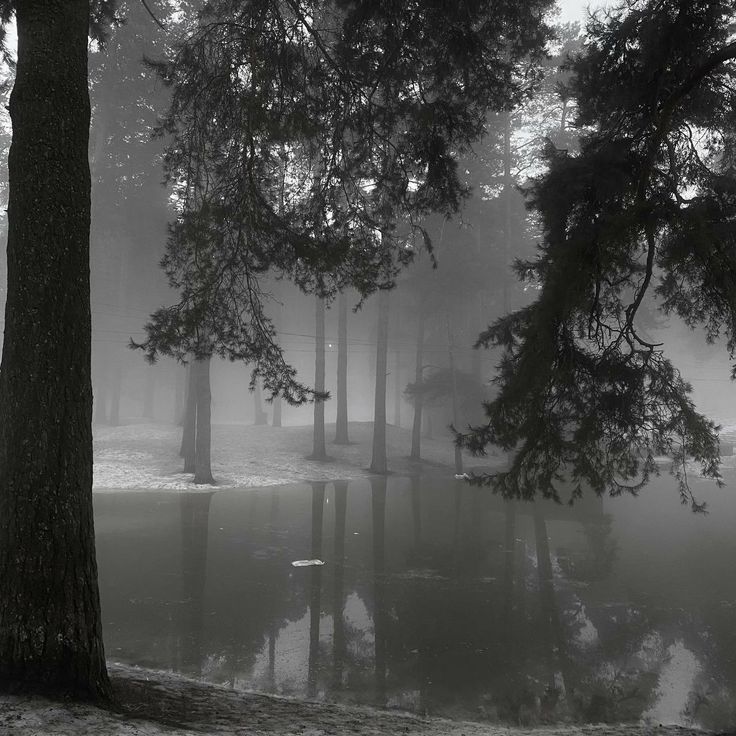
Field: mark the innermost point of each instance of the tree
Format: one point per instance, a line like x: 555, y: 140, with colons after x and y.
x: 50, y: 627
x: 304, y: 163
x: 585, y: 392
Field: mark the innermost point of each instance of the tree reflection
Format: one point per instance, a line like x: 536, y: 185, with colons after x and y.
x: 195, y: 511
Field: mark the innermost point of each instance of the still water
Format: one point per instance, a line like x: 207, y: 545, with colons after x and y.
x: 434, y: 597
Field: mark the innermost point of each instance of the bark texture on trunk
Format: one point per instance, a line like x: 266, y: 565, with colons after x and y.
x: 341, y: 422
x: 319, y: 449
x: 378, y: 461
x: 50, y: 629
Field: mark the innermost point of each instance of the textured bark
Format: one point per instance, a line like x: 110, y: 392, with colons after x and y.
x: 378, y: 460
x: 341, y: 421
x: 189, y: 429
x: 50, y: 629
x: 416, y: 430
x: 203, y: 438
x: 319, y: 449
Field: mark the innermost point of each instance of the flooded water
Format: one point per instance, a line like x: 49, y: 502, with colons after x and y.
x: 434, y: 597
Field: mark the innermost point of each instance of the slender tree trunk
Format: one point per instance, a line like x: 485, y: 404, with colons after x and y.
x: 203, y: 439
x: 378, y: 461
x: 261, y: 416
x: 397, y: 388
x: 50, y: 627
x: 319, y: 450
x: 189, y: 430
x: 341, y: 423
x: 455, y: 401
x: 416, y: 430
x: 276, y: 420
x: 149, y: 394
x: 180, y: 393
x: 507, y: 191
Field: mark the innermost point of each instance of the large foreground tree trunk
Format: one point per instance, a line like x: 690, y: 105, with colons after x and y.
x: 341, y: 422
x: 378, y: 461
x: 50, y: 630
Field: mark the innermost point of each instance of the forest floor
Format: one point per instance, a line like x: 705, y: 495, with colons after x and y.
x: 146, y: 456
x: 156, y: 703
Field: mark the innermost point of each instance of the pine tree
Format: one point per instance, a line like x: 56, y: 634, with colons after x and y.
x: 50, y: 627
x: 642, y: 213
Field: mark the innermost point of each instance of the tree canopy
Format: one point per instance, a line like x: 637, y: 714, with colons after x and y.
x: 640, y: 219
x: 310, y: 139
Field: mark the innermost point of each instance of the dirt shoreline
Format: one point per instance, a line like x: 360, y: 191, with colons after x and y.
x: 154, y: 703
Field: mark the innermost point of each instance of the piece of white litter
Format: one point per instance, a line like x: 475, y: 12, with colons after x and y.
x: 462, y: 476
x: 306, y: 563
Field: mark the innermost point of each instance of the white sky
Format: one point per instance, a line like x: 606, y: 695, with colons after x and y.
x: 576, y: 9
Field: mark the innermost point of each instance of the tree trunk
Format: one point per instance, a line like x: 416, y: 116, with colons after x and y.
x: 397, y: 388
x: 189, y: 430
x: 149, y: 394
x: 416, y: 430
x: 180, y: 393
x: 341, y: 422
x: 378, y: 461
x: 319, y: 450
x: 455, y: 402
x: 261, y: 417
x: 203, y: 438
x: 276, y: 421
x: 50, y: 628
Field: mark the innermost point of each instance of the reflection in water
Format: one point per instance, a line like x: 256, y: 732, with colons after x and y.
x: 315, y: 585
x: 195, y: 511
x: 380, y: 614
x: 442, y: 599
x: 338, y: 592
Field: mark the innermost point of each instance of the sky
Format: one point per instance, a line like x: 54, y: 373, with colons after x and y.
x: 576, y: 9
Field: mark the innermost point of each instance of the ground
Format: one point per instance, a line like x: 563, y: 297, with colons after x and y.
x: 160, y: 703
x: 140, y: 457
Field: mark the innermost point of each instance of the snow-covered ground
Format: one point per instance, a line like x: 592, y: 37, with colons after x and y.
x: 157, y: 703
x: 146, y: 456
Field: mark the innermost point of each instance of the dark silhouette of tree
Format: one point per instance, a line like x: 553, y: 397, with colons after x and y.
x: 585, y: 391
x: 341, y: 420
x: 378, y: 457
x: 50, y: 628
x: 306, y: 164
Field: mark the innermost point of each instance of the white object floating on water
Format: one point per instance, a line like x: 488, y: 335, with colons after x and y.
x: 462, y: 476
x: 307, y: 563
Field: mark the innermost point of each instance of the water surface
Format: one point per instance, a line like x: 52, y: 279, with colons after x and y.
x: 434, y: 597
